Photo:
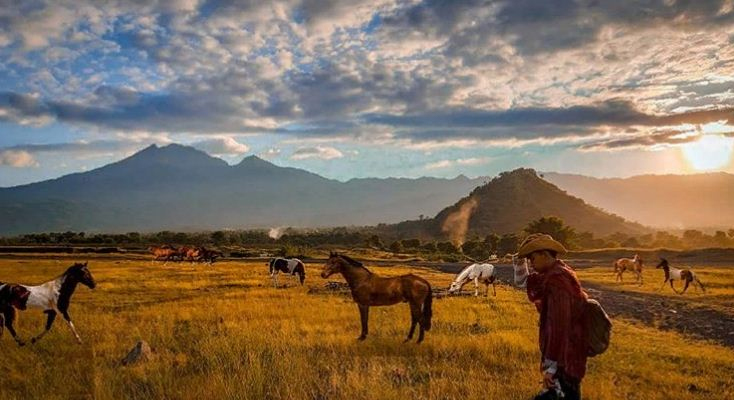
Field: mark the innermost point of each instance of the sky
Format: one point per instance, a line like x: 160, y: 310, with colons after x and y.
x: 354, y: 88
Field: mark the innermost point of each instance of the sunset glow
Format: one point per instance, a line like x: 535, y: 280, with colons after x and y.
x: 709, y: 152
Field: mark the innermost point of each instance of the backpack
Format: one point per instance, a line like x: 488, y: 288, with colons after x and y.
x: 598, y: 328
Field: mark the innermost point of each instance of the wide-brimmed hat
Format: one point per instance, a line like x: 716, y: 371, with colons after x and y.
x: 539, y: 241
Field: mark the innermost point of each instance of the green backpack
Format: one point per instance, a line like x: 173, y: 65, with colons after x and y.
x: 598, y: 328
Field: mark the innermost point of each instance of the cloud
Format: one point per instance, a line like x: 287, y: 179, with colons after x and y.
x: 418, y: 73
x: 17, y: 159
x: 442, y: 164
x: 320, y: 152
x: 439, y: 164
x: 226, y: 145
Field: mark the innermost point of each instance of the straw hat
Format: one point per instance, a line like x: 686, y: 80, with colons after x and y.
x: 539, y: 241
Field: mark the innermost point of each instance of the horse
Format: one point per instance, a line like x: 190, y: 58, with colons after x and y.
x: 369, y: 289
x: 53, y: 297
x: 208, y: 255
x: 11, y: 297
x: 521, y: 271
x: 164, y: 253
x: 632, y: 264
x: 484, y: 273
x: 189, y: 253
x: 292, y: 266
x: 685, y: 275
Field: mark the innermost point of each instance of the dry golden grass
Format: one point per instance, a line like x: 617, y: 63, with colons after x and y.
x: 225, y: 333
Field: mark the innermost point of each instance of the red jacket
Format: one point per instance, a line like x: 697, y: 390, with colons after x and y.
x: 560, y: 300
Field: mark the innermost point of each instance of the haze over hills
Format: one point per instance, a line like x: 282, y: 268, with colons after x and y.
x: 664, y: 201
x: 180, y: 188
x: 507, y: 203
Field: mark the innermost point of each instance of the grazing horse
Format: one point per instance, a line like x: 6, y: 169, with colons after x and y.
x: 632, y: 264
x: 52, y: 297
x: 292, y: 266
x: 685, y: 275
x: 164, y: 253
x: 484, y: 273
x: 521, y: 271
x: 369, y: 289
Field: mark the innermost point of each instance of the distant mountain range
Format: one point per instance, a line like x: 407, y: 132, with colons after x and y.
x: 664, y: 201
x: 506, y: 204
x: 180, y: 188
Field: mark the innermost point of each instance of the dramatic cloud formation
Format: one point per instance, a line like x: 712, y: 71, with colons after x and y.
x: 416, y: 75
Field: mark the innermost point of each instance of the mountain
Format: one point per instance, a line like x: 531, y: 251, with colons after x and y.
x: 507, y: 204
x: 663, y: 201
x: 180, y: 188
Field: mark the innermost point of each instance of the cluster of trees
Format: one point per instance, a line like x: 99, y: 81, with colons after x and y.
x: 474, y: 247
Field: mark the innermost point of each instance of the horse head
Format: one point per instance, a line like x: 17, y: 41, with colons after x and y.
x: 663, y: 263
x: 333, y: 265
x: 80, y: 273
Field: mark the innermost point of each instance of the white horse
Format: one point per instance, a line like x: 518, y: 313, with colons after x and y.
x: 483, y: 273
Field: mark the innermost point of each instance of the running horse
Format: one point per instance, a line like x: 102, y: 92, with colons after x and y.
x: 164, y: 253
x: 632, y: 264
x: 53, y: 297
x: 683, y: 275
x: 369, y: 290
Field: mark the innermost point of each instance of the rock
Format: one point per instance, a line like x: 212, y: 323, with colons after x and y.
x: 141, y: 352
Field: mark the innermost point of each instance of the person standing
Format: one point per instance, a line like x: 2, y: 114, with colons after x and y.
x: 556, y: 292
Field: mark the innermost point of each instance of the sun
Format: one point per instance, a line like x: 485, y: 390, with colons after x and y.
x: 711, y: 151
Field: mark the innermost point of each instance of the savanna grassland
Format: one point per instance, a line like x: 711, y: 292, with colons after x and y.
x: 224, y: 332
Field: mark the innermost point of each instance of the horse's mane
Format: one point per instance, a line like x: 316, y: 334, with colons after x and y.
x: 351, y: 261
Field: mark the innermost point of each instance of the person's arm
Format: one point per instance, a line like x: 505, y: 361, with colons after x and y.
x: 558, y: 324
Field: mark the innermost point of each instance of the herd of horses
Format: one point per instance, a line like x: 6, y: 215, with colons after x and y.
x: 367, y: 289
x: 168, y: 253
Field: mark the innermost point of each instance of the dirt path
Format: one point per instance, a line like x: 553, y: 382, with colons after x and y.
x: 666, y: 313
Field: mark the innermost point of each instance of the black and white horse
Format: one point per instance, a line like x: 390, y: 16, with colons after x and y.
x: 53, y: 297
x: 292, y: 266
x: 687, y: 276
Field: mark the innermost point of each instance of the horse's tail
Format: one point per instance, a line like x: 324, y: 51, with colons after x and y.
x: 699, y: 283
x: 427, y: 310
x: 302, y: 268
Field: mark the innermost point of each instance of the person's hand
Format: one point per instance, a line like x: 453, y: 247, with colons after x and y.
x: 548, y: 380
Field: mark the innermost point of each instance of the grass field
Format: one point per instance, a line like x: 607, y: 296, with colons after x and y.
x: 225, y: 333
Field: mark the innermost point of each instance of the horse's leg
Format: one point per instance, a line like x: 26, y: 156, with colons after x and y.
x: 9, y: 318
x: 65, y: 314
x: 494, y: 289
x: 671, y: 286
x: 476, y: 286
x: 364, y: 312
x: 415, y: 316
x: 685, y: 287
x: 49, y: 323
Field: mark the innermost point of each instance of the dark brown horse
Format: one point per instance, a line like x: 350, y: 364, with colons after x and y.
x: 369, y: 289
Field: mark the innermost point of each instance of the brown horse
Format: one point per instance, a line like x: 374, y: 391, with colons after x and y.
x: 369, y: 289
x: 163, y: 253
x: 632, y: 264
